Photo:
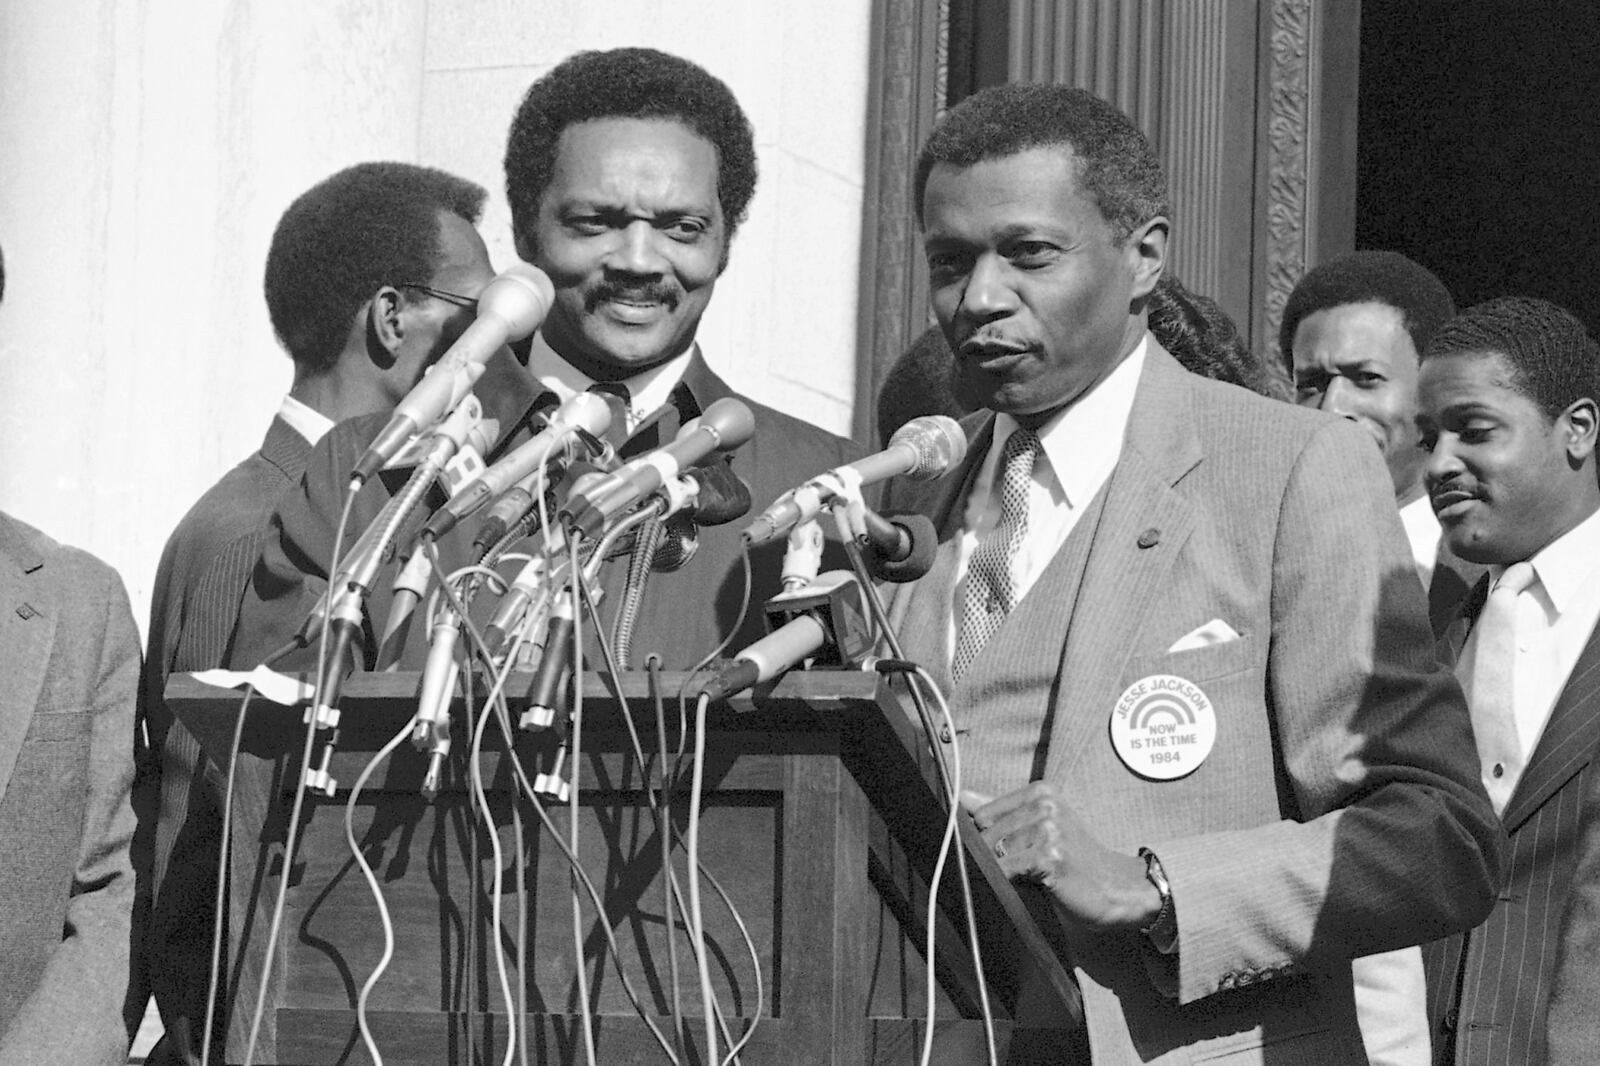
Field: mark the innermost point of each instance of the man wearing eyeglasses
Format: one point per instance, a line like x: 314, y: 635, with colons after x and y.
x: 371, y: 275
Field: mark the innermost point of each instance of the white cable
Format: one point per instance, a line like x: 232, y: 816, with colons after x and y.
x: 482, y: 802
x: 698, y: 931
x: 292, y: 835
x: 575, y: 753
x: 953, y: 804
x: 376, y: 890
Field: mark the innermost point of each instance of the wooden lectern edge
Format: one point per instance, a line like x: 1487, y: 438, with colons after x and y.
x: 824, y: 696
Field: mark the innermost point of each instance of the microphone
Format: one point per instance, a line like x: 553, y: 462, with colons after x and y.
x: 723, y: 495
x: 923, y: 449
x: 680, y: 542
x: 823, y: 620
x: 900, y: 547
x: 724, y: 426
x: 585, y: 413
x: 509, y: 309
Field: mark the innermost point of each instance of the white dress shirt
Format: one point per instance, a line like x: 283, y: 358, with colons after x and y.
x: 1554, y: 619
x: 1423, y: 532
x: 1081, y: 445
x: 310, y: 423
x: 648, y: 391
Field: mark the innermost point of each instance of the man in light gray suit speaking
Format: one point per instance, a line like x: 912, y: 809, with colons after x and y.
x: 1189, y: 659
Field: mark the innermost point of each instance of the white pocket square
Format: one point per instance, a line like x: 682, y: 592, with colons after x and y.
x: 1215, y: 631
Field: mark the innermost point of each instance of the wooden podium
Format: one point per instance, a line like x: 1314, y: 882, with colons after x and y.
x: 821, y: 820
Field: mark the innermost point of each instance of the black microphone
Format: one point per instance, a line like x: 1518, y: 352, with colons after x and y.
x: 509, y: 308
x: 898, y: 547
x: 723, y: 495
x: 923, y: 449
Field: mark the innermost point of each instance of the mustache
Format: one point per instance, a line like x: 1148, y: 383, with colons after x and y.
x: 633, y: 292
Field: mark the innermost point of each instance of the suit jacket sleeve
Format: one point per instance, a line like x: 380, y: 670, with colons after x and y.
x: 74, y: 1015
x: 1391, y: 841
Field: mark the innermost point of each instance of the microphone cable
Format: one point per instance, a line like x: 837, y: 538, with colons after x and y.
x: 374, y: 888
x: 949, y: 772
x: 580, y: 968
x: 224, y: 865
x: 667, y: 830
x: 325, y: 670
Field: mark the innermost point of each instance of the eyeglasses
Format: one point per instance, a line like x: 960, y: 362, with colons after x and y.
x: 456, y: 298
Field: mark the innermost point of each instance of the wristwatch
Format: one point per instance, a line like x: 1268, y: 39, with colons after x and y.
x: 1162, y: 932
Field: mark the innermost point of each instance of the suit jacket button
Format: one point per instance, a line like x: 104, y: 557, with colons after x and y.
x: 1452, y: 1018
x: 1225, y: 982
x: 1150, y: 538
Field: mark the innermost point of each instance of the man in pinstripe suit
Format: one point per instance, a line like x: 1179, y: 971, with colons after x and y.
x: 1195, y: 689
x: 1508, y: 398
x: 370, y: 277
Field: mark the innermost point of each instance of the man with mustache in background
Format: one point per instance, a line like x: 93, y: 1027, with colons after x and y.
x: 628, y: 173
x: 1509, y: 410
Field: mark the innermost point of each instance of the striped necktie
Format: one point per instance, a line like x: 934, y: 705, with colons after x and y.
x: 991, y: 592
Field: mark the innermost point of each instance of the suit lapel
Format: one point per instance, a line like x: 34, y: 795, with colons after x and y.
x: 27, y: 631
x: 1456, y: 631
x: 1124, y: 572
x: 1454, y: 580
x: 1569, y: 739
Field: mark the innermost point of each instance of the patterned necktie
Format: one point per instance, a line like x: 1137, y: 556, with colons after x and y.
x: 1493, y: 703
x: 991, y: 593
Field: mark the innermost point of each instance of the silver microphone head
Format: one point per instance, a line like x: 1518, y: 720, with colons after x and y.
x: 938, y: 443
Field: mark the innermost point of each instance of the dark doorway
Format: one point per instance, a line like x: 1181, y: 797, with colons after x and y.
x: 1479, y: 145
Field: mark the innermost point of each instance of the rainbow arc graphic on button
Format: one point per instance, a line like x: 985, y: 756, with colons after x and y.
x: 1161, y: 704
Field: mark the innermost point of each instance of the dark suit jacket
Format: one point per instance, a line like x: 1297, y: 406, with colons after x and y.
x: 683, y: 617
x: 1339, y: 812
x: 201, y: 579
x: 1523, y: 984
x: 1453, y: 581
x: 69, y: 654
x: 685, y: 614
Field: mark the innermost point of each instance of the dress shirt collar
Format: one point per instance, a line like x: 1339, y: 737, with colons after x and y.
x: 305, y: 420
x: 1084, y: 441
x: 647, y: 391
x: 1566, y: 564
x: 1423, y: 532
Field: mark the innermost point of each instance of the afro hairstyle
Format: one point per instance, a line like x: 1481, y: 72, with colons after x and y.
x: 626, y: 83
x: 1553, y: 360
x: 1116, y: 164
x: 370, y: 225
x: 1369, y: 277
